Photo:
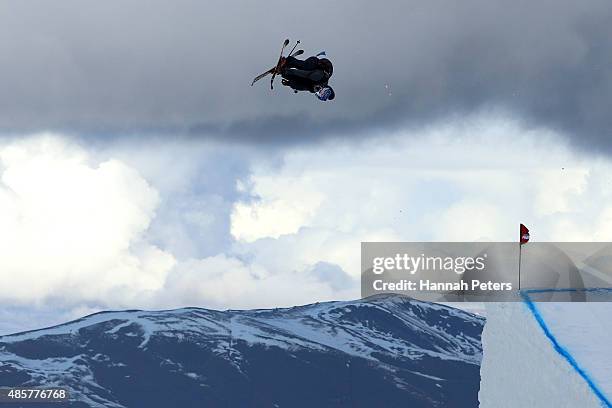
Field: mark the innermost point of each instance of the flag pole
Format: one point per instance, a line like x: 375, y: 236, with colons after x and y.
x: 523, y: 239
x: 520, y: 251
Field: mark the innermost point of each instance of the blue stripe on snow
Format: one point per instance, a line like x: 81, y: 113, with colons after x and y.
x: 560, y: 349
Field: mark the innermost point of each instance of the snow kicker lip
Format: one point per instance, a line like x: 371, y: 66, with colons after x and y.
x: 558, y: 347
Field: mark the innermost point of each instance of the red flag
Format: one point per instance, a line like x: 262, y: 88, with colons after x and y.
x: 524, y: 236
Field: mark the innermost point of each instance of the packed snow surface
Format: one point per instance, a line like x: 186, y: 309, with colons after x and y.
x: 585, y: 331
x: 526, y: 362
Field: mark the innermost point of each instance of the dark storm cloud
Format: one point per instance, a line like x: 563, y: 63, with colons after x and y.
x: 155, y: 65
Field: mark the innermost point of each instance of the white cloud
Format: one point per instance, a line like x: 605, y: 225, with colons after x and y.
x: 470, y: 220
x: 82, y: 229
x: 70, y: 228
x: 281, y: 206
x: 223, y: 281
x: 460, y: 181
x: 74, y: 238
x: 557, y: 188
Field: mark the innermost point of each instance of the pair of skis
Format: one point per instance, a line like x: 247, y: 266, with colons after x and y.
x: 276, y: 70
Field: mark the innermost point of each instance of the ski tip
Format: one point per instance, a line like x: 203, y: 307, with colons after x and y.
x: 287, y: 41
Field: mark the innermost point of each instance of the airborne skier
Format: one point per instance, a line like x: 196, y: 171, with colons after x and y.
x: 310, y: 75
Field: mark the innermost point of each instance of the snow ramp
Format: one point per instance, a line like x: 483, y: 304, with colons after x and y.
x: 547, y: 354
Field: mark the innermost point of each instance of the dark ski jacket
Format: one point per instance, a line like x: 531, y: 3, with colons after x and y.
x: 305, y: 75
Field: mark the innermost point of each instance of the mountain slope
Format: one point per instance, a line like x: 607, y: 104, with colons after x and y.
x: 383, y: 351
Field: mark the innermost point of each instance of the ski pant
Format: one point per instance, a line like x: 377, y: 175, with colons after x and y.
x: 309, y: 64
x: 308, y: 69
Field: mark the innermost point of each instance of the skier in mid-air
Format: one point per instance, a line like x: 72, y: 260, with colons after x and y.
x: 311, y: 74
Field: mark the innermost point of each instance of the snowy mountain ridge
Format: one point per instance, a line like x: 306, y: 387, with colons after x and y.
x: 427, y: 351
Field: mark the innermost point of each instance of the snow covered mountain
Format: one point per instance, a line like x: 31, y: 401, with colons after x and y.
x: 384, y: 351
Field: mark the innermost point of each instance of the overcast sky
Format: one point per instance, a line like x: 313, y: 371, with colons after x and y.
x: 186, y: 65
x: 138, y: 168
